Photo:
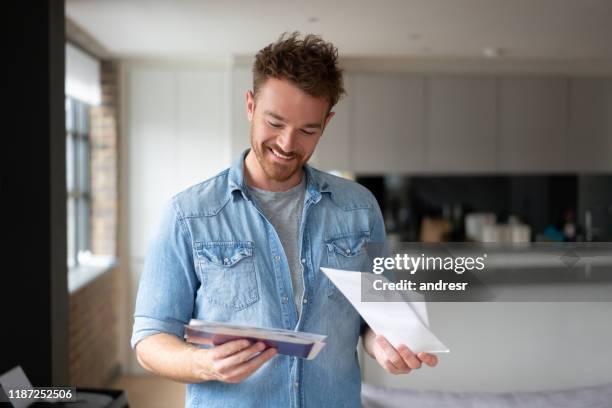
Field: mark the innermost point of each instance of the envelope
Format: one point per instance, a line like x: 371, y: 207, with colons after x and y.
x: 401, y: 322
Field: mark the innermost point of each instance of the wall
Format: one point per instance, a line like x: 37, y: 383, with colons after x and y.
x: 176, y: 127
x: 94, y: 308
x: 93, y: 338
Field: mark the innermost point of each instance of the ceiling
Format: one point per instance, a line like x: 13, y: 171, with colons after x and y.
x: 541, y: 29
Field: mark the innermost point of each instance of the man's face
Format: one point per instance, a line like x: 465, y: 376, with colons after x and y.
x: 286, y: 125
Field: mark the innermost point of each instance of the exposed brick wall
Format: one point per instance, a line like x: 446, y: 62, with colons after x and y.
x: 104, y: 158
x: 93, y: 338
x: 93, y: 325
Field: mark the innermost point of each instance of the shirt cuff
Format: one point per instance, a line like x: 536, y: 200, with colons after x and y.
x: 148, y: 326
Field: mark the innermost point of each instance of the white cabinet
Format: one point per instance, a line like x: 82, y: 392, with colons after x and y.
x: 333, y: 151
x: 177, y: 135
x: 461, y: 124
x: 387, y: 117
x: 202, y: 122
x: 590, y: 125
x: 533, y: 125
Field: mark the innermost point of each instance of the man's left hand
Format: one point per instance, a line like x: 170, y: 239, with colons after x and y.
x: 400, y: 360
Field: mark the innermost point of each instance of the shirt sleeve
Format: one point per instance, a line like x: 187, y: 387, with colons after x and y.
x: 168, y: 284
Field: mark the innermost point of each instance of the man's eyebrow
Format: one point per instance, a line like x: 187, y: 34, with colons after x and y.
x: 279, y: 117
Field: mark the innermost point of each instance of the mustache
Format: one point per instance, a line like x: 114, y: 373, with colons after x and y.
x: 284, y: 153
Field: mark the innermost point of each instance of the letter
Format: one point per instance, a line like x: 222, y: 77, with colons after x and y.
x: 433, y: 260
x: 415, y: 264
x: 459, y: 262
x: 469, y: 263
x: 375, y: 282
x: 377, y: 269
x: 398, y: 261
x: 480, y: 262
x: 389, y: 263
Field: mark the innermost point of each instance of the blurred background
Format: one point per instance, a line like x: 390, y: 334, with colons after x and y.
x: 470, y: 121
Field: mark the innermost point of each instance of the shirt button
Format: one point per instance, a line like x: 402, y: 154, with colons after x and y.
x: 277, y: 258
x: 305, y: 300
x: 226, y: 260
x: 295, y: 384
x: 303, y: 260
x: 285, y: 299
x: 348, y: 251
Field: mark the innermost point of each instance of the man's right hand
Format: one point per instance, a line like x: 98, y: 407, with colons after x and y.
x: 171, y: 357
x: 231, y: 362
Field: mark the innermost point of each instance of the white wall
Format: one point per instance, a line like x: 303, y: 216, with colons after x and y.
x: 175, y: 133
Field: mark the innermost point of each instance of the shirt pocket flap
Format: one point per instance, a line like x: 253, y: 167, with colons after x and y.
x: 224, y: 254
x: 349, y: 245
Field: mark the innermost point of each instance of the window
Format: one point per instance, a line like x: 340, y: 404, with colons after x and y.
x: 78, y: 179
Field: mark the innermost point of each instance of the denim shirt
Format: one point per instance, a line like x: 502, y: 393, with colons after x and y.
x: 216, y: 257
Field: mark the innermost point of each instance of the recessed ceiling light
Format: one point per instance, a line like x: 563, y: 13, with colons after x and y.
x: 313, y: 19
x: 415, y: 36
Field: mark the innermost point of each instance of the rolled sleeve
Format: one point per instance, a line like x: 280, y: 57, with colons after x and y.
x: 168, y: 284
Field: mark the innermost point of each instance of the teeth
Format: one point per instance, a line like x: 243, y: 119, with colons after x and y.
x: 280, y: 155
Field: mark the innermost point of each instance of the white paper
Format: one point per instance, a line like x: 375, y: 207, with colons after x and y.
x: 400, y: 322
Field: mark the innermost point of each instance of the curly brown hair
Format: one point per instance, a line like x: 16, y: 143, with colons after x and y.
x: 310, y: 63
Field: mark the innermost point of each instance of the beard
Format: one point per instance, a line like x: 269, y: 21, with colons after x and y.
x: 274, y: 169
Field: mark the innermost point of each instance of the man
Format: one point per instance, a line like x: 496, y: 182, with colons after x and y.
x: 246, y: 247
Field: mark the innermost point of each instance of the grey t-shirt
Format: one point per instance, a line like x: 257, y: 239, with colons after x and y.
x: 284, y: 210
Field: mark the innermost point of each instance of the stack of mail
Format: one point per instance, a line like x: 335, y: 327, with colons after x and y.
x: 287, y: 342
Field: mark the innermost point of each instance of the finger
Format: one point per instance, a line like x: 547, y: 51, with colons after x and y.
x: 240, y: 357
x: 244, y: 370
x: 429, y: 359
x: 409, y: 357
x: 386, y: 364
x: 391, y: 354
x: 229, y: 348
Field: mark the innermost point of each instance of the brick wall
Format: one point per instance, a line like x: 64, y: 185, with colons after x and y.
x: 93, y: 325
x: 93, y: 338
x: 104, y: 158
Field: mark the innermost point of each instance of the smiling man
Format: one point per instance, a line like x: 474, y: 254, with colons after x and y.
x: 247, y: 245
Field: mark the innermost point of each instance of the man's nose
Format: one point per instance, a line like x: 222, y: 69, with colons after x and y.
x: 287, y: 140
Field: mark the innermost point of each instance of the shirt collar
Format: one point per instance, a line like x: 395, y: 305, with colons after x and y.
x: 315, y: 184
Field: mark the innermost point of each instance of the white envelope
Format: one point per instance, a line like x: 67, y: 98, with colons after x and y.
x: 400, y: 322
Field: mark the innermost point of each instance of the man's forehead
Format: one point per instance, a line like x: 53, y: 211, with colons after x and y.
x: 285, y: 101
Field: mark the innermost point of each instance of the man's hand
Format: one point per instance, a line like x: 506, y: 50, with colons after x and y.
x: 400, y: 360
x: 233, y: 361
x: 171, y: 357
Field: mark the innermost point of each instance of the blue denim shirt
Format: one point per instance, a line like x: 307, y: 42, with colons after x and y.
x: 216, y: 257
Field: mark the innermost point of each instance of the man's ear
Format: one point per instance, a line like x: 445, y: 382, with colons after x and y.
x: 327, y: 119
x: 250, y: 105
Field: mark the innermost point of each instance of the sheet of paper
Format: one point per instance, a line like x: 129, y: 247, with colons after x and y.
x: 400, y: 322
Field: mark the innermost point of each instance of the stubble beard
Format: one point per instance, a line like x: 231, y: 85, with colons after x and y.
x: 276, y: 171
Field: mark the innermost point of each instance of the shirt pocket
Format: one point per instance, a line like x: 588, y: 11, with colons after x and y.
x: 347, y: 252
x: 228, y: 273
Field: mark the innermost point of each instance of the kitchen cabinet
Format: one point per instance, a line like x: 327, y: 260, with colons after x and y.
x: 387, y: 116
x: 533, y: 124
x: 461, y: 124
x: 177, y: 136
x: 590, y: 125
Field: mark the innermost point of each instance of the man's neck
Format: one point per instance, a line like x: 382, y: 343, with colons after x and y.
x: 256, y: 177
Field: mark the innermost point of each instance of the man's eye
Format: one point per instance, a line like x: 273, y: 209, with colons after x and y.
x: 275, y: 125
x: 308, y: 132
